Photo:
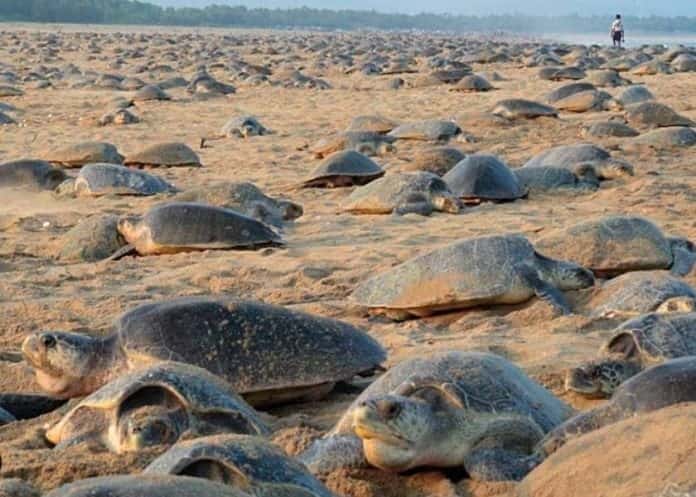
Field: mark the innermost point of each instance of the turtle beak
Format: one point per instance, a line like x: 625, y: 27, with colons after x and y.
x: 582, y: 381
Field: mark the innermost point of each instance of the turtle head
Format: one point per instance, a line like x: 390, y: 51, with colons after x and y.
x: 129, y: 227
x: 146, y: 427
x: 399, y: 433
x: 290, y: 210
x: 63, y: 362
x: 565, y: 275
x: 683, y: 303
x: 599, y: 379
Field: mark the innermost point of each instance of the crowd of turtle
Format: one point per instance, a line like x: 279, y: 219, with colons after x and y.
x: 192, y: 374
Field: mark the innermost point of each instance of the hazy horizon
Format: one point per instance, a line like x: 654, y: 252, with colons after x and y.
x: 641, y: 8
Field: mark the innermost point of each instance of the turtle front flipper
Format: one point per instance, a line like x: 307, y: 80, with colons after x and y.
x: 505, y: 449
x: 545, y: 291
x: 500, y: 465
x: 124, y: 251
x: 334, y: 452
x: 684, y: 256
x: 576, y: 426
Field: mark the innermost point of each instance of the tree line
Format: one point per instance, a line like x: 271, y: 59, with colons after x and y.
x: 137, y: 12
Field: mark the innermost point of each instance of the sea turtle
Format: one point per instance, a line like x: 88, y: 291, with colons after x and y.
x: 640, y: 292
x: 16, y: 487
x: 163, y: 154
x: 517, y: 108
x: 607, y: 78
x: 428, y: 130
x: 345, y: 168
x: 92, y: 239
x: 30, y: 174
x: 613, y: 245
x: 566, y: 91
x: 561, y: 73
x: 455, y: 409
x: 246, y: 462
x: 651, y: 67
x: 10, y: 91
x: 118, y: 117
x: 174, y: 227
x: 239, y: 127
x: 437, y: 160
x: 573, y: 156
x: 634, y: 94
x: 402, y: 193
x: 156, y: 405
x: 548, y: 178
x: 246, y: 198
x: 267, y: 353
x: 636, y: 345
x: 373, y: 123
x: 472, y: 83
x: 584, y: 101
x: 663, y: 385
x: 616, y: 129
x: 366, y: 142
x: 112, y: 179
x: 653, y: 448
x: 145, y: 486
x: 503, y: 269
x: 6, y: 120
x: 482, y: 177
x: 79, y: 154
x: 149, y: 93
x: 655, y: 115
x: 685, y: 62
x: 666, y: 138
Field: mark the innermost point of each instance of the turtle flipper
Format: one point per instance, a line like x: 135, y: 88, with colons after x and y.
x: 576, y: 426
x: 122, y: 252
x: 420, y: 208
x: 505, y: 449
x: 684, y: 257
x: 545, y: 291
x: 499, y: 465
x: 334, y: 452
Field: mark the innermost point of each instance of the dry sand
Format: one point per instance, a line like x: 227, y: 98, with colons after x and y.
x: 327, y: 253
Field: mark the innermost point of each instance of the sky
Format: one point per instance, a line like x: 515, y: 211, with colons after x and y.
x: 475, y: 7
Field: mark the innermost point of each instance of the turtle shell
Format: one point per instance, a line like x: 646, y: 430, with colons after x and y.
x: 666, y: 138
x: 234, y: 127
x: 473, y: 82
x: 350, y: 140
x: 517, y: 108
x: 429, y: 130
x: 436, y: 160
x: 181, y: 226
x: 635, y: 94
x: 566, y: 91
x: 655, y: 337
x: 163, y: 154
x: 350, y: 164
x: 611, y: 245
x: 485, y: 383
x: 655, y: 115
x: 640, y: 292
x: 103, y: 179
x: 386, y: 194
x: 32, y: 174
x: 568, y: 156
x: 374, y: 123
x: 547, y: 178
x: 150, y: 92
x: 483, y: 177
x: 79, y: 154
x: 254, y: 346
x: 253, y: 463
x: 199, y: 392
x: 470, y: 272
x: 145, y: 486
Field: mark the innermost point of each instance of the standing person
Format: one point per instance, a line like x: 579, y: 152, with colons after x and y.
x: 617, y: 31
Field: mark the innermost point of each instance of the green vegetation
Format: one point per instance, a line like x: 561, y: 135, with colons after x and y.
x: 136, y: 12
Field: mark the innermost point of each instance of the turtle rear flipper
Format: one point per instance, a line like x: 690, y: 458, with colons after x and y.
x: 334, y: 452
x: 545, y: 291
x: 124, y: 251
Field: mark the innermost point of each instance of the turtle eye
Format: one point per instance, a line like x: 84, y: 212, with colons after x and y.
x: 48, y: 341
